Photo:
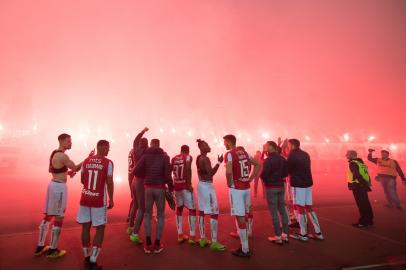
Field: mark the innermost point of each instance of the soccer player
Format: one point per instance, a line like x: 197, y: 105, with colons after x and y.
x: 55, y: 203
x: 140, y: 145
x: 238, y: 168
x: 207, y: 197
x: 97, y: 173
x: 182, y: 176
x: 301, y: 181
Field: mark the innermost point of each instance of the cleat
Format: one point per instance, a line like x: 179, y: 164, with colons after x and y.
x: 204, y: 242
x: 298, y: 236
x: 276, y: 240
x: 55, y: 253
x: 240, y: 253
x: 192, y: 240
x: 158, y: 248
x: 135, y: 239
x: 235, y: 235
x: 94, y: 266
x: 129, y: 230
x: 182, y: 238
x: 41, y: 250
x: 216, y: 246
x: 148, y: 249
x: 285, y: 238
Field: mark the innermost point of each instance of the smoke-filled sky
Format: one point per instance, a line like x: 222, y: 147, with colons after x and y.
x: 290, y: 67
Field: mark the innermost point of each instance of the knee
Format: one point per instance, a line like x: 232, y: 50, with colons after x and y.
x: 201, y: 214
x: 47, y: 218
x: 216, y: 217
x: 192, y: 212
x: 58, y: 221
x: 299, y: 208
x: 309, y: 208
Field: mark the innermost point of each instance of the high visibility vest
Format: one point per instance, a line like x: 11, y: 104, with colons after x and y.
x: 363, y: 171
x: 387, y: 167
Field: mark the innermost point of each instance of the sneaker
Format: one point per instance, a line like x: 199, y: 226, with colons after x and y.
x: 300, y: 237
x: 318, y: 236
x: 216, y: 246
x: 55, y: 253
x: 240, y: 253
x: 275, y: 240
x: 204, y: 242
x: 129, y: 230
x: 294, y: 225
x: 94, y: 266
x: 285, y: 238
x: 182, y: 238
x: 41, y: 250
x: 158, y: 248
x: 360, y: 225
x: 135, y: 239
x: 148, y: 249
x: 192, y: 240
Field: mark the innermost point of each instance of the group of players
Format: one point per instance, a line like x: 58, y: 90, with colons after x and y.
x: 97, y: 179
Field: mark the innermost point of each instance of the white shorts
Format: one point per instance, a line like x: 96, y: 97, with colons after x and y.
x: 55, y: 202
x: 302, y: 196
x: 207, y: 198
x: 240, y: 201
x: 185, y: 198
x: 96, y: 215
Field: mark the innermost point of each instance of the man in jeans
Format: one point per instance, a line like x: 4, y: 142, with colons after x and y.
x: 273, y: 177
x: 156, y: 167
x: 388, y: 170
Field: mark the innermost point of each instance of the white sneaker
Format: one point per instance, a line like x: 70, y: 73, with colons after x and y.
x: 276, y: 240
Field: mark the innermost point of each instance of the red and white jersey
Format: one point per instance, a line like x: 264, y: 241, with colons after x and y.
x: 241, y: 167
x: 131, y: 161
x: 95, y: 171
x: 179, y: 166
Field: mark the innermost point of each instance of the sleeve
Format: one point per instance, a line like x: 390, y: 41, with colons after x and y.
x: 110, y: 169
x: 266, y: 171
x: 137, y: 140
x: 189, y: 159
x: 399, y: 170
x: 373, y: 160
x: 139, y: 167
x: 229, y: 158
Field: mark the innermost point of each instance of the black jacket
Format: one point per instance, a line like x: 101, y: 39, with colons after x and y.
x: 274, y: 170
x: 154, y: 166
x: 299, y: 168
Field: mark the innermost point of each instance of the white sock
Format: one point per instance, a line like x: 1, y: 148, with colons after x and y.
x: 213, y: 229
x: 56, y: 232
x: 302, y: 218
x: 192, y: 225
x: 244, y: 240
x: 179, y: 224
x: 43, y: 232
x: 315, y: 222
x: 201, y: 227
x: 95, y: 253
x: 86, y: 252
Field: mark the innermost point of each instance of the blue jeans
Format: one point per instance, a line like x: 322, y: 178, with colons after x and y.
x: 389, y: 187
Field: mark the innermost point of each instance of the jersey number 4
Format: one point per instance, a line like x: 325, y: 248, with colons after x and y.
x: 92, y: 177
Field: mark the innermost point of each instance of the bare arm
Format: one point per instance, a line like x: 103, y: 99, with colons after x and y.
x: 138, y: 138
x: 257, y: 168
x: 66, y: 161
x: 207, y: 166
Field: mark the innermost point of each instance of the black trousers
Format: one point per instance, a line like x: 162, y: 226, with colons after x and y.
x: 364, y: 206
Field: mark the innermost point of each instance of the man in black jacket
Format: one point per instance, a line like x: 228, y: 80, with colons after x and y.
x: 360, y: 184
x: 273, y: 177
x: 155, y: 166
x: 301, y: 180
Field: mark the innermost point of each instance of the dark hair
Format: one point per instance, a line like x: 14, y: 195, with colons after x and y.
x: 63, y: 136
x: 184, y: 149
x: 231, y: 138
x: 273, y: 144
x: 294, y: 142
x: 103, y: 143
x: 143, y: 143
x: 200, y: 142
x: 155, y: 142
